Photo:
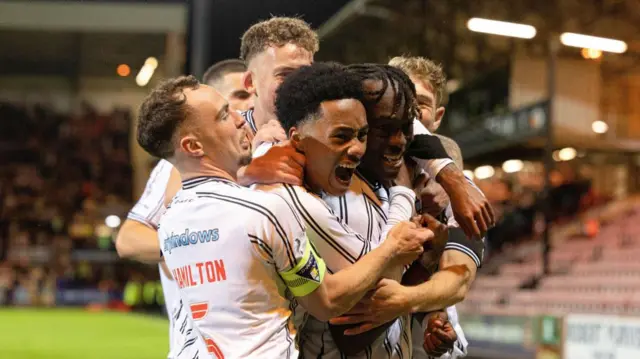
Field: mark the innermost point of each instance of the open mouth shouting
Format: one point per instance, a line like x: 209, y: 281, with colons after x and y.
x: 344, y: 172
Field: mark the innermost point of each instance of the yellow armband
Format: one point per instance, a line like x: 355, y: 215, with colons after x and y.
x: 307, y: 275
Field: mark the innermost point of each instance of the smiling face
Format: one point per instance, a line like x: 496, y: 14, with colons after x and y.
x: 333, y: 144
x: 389, y: 134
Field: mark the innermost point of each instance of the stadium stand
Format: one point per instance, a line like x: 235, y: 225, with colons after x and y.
x: 62, y: 175
x: 590, y: 273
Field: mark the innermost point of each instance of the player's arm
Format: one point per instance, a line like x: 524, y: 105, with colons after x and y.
x: 340, y: 291
x: 401, y: 207
x: 457, y: 270
x: 470, y: 207
x: 138, y: 241
x: 304, y: 272
x: 276, y: 164
x: 446, y: 287
x: 402, y: 199
x: 138, y: 238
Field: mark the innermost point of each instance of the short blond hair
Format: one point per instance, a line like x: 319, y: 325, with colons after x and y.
x: 425, y: 70
x: 277, y: 31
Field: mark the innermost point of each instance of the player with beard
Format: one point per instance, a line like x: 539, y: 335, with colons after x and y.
x: 226, y: 77
x: 253, y: 261
x: 138, y: 239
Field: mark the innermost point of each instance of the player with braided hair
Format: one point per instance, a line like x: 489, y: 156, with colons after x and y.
x: 391, y: 112
x: 470, y: 208
x: 390, y: 76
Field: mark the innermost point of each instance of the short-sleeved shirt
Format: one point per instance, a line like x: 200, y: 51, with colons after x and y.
x: 239, y: 256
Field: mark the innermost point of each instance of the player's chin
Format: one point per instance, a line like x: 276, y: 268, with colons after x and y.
x: 337, y: 187
x: 245, y: 159
x: 390, y: 173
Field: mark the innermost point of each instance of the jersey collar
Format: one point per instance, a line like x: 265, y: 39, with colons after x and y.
x: 196, y: 181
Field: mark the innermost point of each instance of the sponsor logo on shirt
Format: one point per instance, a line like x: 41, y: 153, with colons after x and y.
x: 190, y: 238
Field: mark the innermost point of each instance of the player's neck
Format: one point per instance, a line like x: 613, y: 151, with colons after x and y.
x: 204, y: 168
x: 261, y: 115
x: 369, y: 177
x: 310, y: 186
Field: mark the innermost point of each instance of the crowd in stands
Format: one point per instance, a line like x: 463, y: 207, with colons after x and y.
x: 519, y: 202
x: 61, y: 175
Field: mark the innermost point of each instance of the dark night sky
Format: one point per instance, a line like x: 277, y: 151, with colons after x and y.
x: 230, y: 18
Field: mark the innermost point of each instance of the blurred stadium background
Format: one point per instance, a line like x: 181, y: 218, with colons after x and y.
x: 561, y: 280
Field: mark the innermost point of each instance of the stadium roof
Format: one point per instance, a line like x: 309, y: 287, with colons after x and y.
x: 437, y: 29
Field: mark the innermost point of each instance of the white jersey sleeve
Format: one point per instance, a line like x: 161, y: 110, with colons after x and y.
x: 401, y: 207
x: 262, y: 149
x: 150, y: 206
x: 281, y: 239
x: 338, y: 245
x: 433, y: 166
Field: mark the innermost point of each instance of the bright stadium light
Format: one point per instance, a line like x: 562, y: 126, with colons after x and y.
x: 599, y: 127
x: 146, y: 72
x: 112, y: 221
x: 501, y: 28
x: 151, y: 61
x: 512, y: 166
x: 593, y: 42
x: 468, y: 174
x: 567, y: 154
x: 484, y: 172
x: 591, y: 54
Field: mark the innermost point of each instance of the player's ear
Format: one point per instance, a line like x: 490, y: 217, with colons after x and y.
x: 191, y: 146
x: 248, y: 82
x: 296, y: 139
x: 438, y: 118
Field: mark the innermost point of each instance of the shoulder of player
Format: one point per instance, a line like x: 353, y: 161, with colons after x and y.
x: 260, y: 202
x: 161, y: 170
x: 297, y: 198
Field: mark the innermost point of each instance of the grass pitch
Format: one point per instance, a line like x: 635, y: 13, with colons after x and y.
x: 79, y: 334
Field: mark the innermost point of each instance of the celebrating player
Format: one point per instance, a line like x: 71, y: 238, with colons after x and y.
x: 462, y: 258
x: 365, y: 206
x: 138, y: 238
x: 226, y: 77
x: 235, y: 275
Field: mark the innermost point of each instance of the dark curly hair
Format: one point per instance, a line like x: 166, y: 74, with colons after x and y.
x: 403, y: 87
x: 161, y: 114
x: 298, y: 98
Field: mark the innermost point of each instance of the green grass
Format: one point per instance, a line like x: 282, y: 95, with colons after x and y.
x: 78, y: 334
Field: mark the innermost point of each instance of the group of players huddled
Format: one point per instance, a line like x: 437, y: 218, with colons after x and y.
x: 305, y: 210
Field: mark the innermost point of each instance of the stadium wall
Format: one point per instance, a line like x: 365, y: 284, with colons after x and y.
x: 574, y: 336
